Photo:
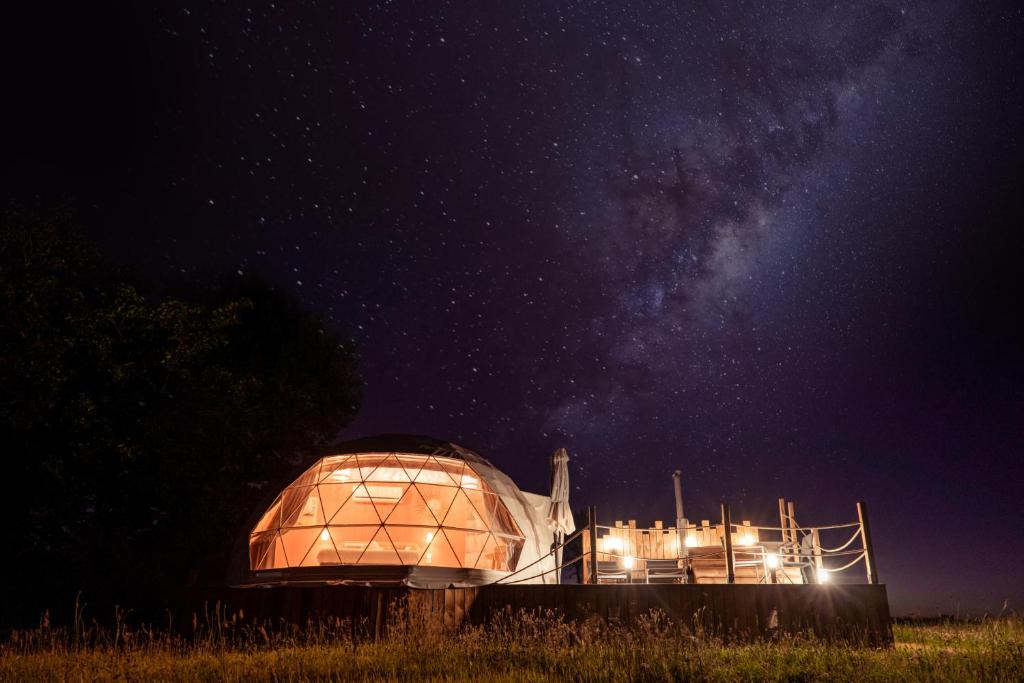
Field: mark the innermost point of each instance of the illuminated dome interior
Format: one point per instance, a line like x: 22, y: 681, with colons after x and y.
x: 387, y: 509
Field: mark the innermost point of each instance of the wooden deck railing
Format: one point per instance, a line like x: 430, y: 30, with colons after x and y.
x: 749, y: 553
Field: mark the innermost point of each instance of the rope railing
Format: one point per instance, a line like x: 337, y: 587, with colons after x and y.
x: 738, y: 527
x: 860, y: 556
x: 559, y: 568
x: 854, y: 537
x: 550, y: 553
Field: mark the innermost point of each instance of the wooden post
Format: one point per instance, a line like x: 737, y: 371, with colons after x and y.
x: 730, y: 561
x: 678, y: 488
x: 592, y: 532
x: 819, y: 564
x: 682, y: 552
x: 865, y: 537
x: 794, y: 537
x: 784, y: 525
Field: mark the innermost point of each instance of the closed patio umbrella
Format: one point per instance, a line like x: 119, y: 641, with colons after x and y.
x: 559, y: 515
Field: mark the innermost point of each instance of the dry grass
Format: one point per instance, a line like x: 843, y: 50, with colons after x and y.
x: 524, y: 647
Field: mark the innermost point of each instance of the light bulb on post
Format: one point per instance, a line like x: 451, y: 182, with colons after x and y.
x: 627, y: 562
x: 773, y: 560
x: 691, y: 541
x: 823, y: 576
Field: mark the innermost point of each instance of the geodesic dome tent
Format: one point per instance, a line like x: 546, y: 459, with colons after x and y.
x: 400, y: 509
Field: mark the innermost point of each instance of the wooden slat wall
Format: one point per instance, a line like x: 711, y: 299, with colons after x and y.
x: 658, y: 542
x: 850, y: 612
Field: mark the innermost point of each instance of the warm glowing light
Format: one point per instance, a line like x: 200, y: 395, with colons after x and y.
x: 382, y: 493
x: 324, y: 536
x: 746, y: 539
x: 773, y: 560
x: 691, y: 541
x: 823, y: 576
x: 627, y: 562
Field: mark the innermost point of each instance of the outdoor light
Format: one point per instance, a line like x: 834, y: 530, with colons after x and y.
x: 746, y: 539
x: 773, y: 560
x: 691, y: 541
x: 822, y: 575
x: 627, y: 562
x: 324, y: 535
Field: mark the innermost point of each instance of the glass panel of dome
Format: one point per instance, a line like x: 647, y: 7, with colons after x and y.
x: 499, y: 517
x: 466, y: 544
x: 271, y: 519
x: 351, y: 541
x: 358, y: 509
x: 384, y: 496
x: 453, y: 467
x: 434, y: 472
x: 412, y: 464
x: 513, y: 546
x: 323, y: 552
x: 389, y: 470
x: 471, y: 480
x: 297, y: 543
x: 368, y: 462
x: 494, y: 555
x: 411, y: 541
x: 380, y: 550
x: 301, y: 507
x: 337, y: 469
x: 276, y: 557
x: 480, y: 500
x: 439, y: 499
x: 439, y: 553
x: 463, y: 515
x: 333, y: 496
x: 259, y: 546
x: 411, y: 509
x: 307, y: 478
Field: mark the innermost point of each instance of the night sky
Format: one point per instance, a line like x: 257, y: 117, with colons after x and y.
x: 775, y: 245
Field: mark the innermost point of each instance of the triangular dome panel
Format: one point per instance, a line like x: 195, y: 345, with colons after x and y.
x: 351, y: 541
x: 380, y: 550
x: 439, y: 553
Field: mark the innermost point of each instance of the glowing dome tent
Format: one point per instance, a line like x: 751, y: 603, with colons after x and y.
x: 400, y: 509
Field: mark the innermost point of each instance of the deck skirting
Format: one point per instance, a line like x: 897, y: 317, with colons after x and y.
x: 855, y: 612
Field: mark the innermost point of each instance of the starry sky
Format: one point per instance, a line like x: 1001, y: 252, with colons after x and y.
x: 774, y: 245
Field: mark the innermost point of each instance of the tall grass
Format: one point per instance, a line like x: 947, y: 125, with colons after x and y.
x: 217, y: 646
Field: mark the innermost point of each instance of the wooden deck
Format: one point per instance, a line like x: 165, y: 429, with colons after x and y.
x: 857, y: 613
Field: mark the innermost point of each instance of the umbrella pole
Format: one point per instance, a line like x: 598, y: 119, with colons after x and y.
x: 559, y: 536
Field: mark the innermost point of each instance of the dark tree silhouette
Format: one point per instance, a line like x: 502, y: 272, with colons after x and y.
x: 138, y: 431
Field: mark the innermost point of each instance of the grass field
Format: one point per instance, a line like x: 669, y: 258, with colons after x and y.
x: 523, y: 648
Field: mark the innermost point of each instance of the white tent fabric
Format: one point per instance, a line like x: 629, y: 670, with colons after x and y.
x: 559, y: 515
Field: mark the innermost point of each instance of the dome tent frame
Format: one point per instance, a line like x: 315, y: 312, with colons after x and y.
x: 331, y: 526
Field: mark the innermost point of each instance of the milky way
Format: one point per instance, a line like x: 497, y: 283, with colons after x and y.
x: 769, y: 244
